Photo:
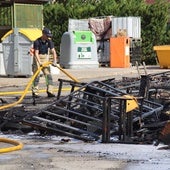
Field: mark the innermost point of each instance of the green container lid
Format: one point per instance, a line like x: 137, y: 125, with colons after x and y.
x: 83, y: 37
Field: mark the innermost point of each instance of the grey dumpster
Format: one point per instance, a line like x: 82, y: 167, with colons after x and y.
x: 78, y: 50
x: 16, y: 45
x: 2, y: 68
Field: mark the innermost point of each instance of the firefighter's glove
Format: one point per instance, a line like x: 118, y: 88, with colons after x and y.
x: 40, y: 64
x: 54, y: 64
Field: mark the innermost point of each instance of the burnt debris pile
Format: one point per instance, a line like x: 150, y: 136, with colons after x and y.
x: 130, y: 110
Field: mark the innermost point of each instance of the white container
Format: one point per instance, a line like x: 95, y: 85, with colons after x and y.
x: 54, y: 70
x: 132, y: 25
x: 78, y: 24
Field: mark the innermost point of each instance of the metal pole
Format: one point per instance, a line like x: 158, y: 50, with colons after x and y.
x: 106, y: 120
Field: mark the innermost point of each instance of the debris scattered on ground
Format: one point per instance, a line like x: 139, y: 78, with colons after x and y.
x: 97, y: 111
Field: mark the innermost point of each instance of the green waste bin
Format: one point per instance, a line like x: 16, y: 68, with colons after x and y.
x: 78, y: 50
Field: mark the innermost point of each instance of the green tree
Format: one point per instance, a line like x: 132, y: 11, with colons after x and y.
x: 154, y: 18
x: 154, y: 24
x: 56, y: 18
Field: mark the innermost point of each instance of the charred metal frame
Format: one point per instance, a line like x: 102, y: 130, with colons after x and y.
x: 96, y: 111
x: 93, y: 113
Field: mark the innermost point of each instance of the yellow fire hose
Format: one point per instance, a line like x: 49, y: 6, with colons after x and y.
x: 5, y: 93
x: 30, y: 83
x: 66, y: 73
x: 17, y: 145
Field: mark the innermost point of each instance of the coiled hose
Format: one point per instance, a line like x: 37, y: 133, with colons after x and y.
x: 17, y: 145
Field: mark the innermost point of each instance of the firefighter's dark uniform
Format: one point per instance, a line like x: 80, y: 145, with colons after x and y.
x: 44, y: 47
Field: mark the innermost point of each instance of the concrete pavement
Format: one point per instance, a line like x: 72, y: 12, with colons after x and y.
x: 86, y: 75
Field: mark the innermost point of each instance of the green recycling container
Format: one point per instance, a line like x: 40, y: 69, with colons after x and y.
x: 78, y: 50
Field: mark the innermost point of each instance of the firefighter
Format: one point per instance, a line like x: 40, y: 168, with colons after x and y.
x: 44, y: 51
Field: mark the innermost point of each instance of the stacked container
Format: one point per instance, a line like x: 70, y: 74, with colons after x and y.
x: 127, y: 27
x: 130, y: 29
x: 132, y: 26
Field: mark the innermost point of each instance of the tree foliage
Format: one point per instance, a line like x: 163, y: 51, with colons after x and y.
x: 154, y: 19
x: 154, y: 32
